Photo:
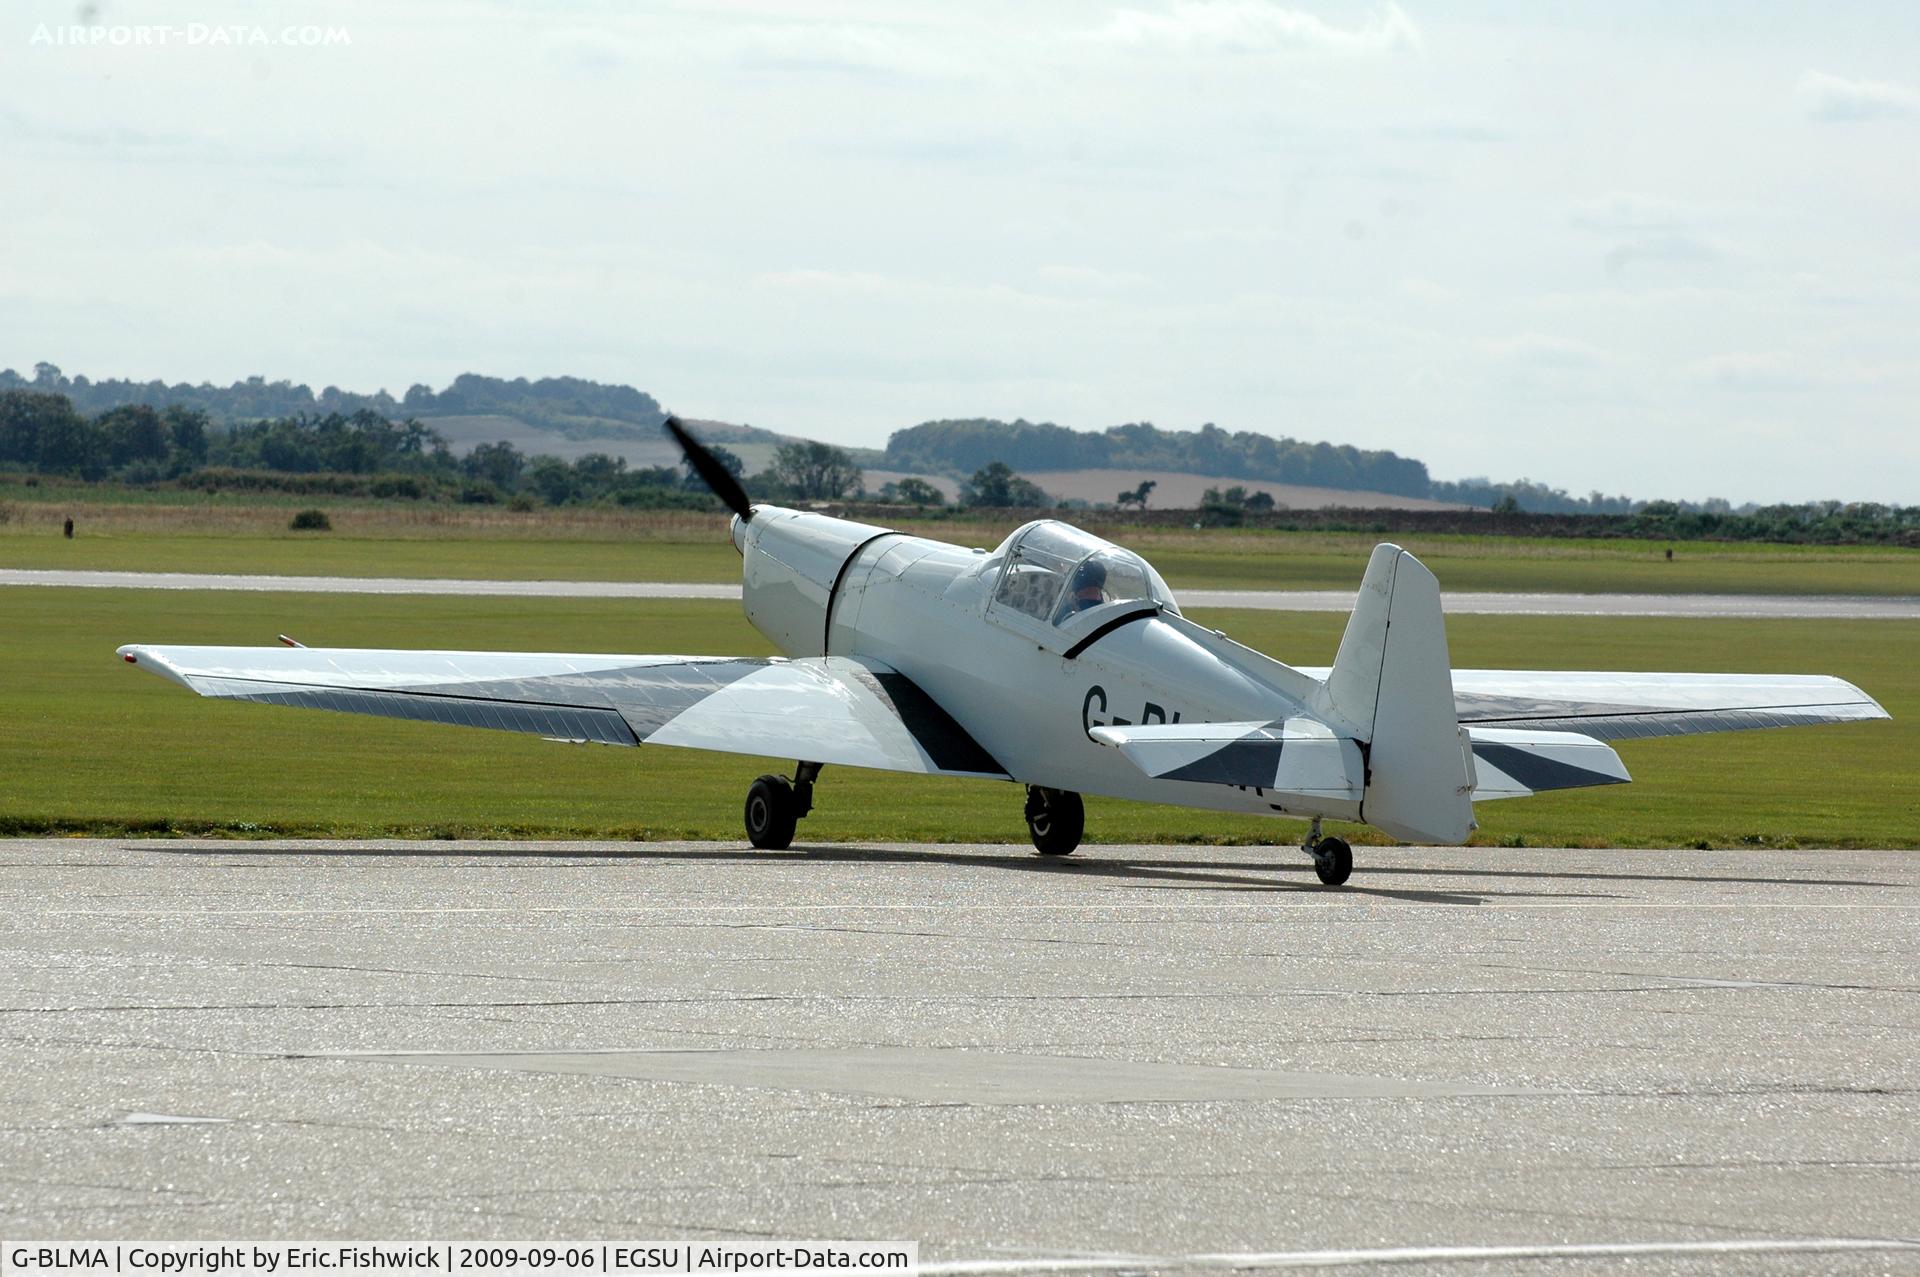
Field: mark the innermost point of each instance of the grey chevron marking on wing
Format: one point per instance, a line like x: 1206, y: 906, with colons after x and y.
x: 1481, y: 708
x: 646, y: 696
x: 1539, y: 772
x: 951, y: 747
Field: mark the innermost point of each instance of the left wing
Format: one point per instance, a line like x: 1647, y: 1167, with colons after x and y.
x: 819, y: 709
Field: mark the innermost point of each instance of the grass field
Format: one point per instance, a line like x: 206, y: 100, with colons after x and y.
x: 90, y: 745
x: 397, y: 539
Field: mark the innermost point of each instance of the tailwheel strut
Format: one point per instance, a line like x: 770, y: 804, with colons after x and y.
x: 1332, y: 857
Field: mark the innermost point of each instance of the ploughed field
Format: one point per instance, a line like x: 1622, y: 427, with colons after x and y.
x: 90, y: 745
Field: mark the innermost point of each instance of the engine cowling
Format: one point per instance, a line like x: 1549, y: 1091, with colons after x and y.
x: 791, y: 560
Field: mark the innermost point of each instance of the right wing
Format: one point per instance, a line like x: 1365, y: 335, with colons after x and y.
x: 822, y: 710
x: 1608, y: 706
x: 1628, y: 706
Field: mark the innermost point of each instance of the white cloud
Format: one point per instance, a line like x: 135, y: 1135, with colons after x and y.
x: 1832, y: 99
x: 1254, y: 27
x: 1542, y: 350
x: 867, y: 288
x: 1782, y: 371
x: 856, y: 49
x: 1676, y: 249
x: 1420, y: 288
x: 832, y: 281
x: 1088, y: 278
x: 1753, y: 371
x: 1443, y: 132
x: 1626, y: 212
x: 586, y: 50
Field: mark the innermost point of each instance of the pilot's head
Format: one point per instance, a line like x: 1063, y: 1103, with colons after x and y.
x: 1089, y: 583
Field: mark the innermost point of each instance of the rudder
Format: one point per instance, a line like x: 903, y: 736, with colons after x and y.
x: 1392, y: 683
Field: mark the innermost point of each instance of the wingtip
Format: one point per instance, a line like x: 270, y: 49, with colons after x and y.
x: 151, y: 659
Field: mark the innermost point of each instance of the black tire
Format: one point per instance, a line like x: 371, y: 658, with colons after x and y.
x: 771, y: 813
x: 1333, y: 861
x: 1056, y: 818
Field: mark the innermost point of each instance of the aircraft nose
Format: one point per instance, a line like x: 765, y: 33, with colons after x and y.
x: 738, y: 531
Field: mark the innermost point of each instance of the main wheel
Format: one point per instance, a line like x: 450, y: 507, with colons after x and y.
x: 772, y: 812
x: 1055, y: 819
x: 1333, y: 861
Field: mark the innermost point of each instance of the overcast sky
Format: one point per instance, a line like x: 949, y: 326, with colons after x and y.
x: 1663, y: 249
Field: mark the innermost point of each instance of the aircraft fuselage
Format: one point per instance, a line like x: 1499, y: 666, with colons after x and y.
x: 1027, y: 687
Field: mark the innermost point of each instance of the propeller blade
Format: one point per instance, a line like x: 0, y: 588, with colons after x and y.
x: 711, y: 472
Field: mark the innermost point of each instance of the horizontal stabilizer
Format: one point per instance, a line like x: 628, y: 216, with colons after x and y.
x: 1295, y: 756
x: 1513, y: 764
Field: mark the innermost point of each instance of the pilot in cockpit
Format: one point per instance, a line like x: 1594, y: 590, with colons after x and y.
x: 1087, y: 589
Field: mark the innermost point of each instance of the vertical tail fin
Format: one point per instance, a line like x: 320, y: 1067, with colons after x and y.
x: 1392, y: 683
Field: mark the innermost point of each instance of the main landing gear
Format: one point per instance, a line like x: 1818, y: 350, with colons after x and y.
x: 1332, y: 858
x: 1055, y: 818
x: 776, y: 804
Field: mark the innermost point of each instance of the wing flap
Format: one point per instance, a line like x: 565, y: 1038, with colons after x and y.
x: 825, y: 710
x: 556, y: 722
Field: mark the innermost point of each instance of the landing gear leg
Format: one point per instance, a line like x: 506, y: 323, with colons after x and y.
x: 804, y: 774
x: 776, y: 804
x: 1055, y: 819
x: 1332, y: 857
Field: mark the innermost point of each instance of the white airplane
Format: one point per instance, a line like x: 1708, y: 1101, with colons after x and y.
x: 1058, y: 661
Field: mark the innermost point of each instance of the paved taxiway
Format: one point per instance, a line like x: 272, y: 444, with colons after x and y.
x: 1503, y: 1059
x: 1807, y: 606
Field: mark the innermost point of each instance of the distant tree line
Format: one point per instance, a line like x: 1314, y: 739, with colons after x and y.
x: 1538, y: 498
x: 570, y: 405
x: 959, y: 447
x: 363, y: 453
x: 1813, y: 523
x: 148, y: 431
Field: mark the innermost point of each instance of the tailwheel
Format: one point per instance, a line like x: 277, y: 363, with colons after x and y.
x: 1332, y: 858
x: 1333, y: 861
x: 772, y: 813
x: 1055, y: 819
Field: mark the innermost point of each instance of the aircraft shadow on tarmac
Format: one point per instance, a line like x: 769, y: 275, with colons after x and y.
x: 1187, y: 875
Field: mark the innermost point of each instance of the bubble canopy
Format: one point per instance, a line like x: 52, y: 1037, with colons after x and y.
x: 1053, y: 571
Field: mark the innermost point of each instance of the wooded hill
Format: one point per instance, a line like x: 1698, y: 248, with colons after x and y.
x: 961, y: 447
x: 596, y: 417
x: 570, y: 406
